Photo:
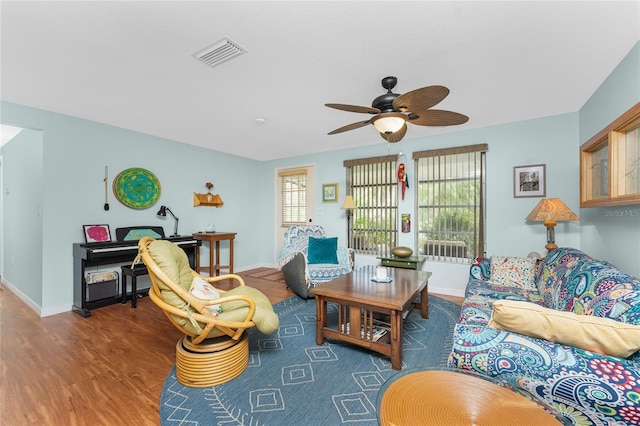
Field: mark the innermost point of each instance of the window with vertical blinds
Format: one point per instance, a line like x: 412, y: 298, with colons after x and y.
x: 293, y: 184
x: 450, y: 202
x: 373, y: 184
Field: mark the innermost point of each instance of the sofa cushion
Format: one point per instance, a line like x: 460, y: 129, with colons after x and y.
x: 322, y: 250
x: 572, y: 281
x: 514, y: 271
x: 595, y: 334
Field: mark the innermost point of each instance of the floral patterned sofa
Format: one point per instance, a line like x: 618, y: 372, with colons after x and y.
x: 541, y: 355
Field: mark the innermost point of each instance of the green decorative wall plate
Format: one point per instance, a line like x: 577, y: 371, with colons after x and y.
x: 137, y: 188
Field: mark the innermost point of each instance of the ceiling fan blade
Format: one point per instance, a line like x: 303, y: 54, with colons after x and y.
x: 439, y: 117
x: 354, y: 108
x: 396, y: 136
x: 420, y: 100
x: 351, y: 126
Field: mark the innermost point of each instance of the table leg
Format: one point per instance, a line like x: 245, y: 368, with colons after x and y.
x: 321, y: 319
x: 217, y: 267
x: 231, y: 256
x: 211, y: 270
x: 396, y: 339
x: 424, y: 303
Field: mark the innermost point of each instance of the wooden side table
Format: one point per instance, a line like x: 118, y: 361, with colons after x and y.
x: 214, y: 237
x: 411, y: 262
x: 447, y: 397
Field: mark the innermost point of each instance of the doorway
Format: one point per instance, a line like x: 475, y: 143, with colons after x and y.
x: 295, y: 199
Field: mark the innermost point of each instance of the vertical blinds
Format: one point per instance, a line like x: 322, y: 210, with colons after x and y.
x: 373, y: 185
x: 450, y: 205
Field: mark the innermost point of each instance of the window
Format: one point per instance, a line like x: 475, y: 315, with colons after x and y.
x: 450, y: 202
x: 610, y: 163
x: 293, y: 184
x: 373, y: 184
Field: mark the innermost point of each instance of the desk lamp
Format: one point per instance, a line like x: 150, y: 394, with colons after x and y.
x: 163, y: 212
x: 550, y: 211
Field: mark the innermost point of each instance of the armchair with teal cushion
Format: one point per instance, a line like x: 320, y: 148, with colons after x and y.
x: 309, y: 259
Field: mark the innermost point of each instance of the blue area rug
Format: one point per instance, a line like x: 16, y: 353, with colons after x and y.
x: 292, y: 381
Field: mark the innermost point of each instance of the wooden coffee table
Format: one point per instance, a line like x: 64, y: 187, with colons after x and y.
x: 370, y: 314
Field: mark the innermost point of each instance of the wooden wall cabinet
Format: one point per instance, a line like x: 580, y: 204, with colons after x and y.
x: 610, y: 163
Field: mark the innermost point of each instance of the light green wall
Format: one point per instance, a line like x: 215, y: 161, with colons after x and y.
x: 514, y: 144
x: 612, y: 233
x: 74, y: 154
x: 66, y: 172
x: 22, y: 211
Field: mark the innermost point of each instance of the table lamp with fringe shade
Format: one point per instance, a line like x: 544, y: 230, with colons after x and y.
x: 550, y: 211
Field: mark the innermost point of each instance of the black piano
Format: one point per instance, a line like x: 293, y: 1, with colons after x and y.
x: 123, y: 251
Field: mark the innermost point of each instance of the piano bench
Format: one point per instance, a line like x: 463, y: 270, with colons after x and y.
x: 135, y: 272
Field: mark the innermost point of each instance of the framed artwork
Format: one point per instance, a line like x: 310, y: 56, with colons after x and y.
x: 329, y: 192
x: 96, y: 233
x: 529, y: 181
x: 406, y: 222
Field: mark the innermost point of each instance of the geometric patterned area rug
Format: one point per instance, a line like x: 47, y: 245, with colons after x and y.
x: 292, y: 381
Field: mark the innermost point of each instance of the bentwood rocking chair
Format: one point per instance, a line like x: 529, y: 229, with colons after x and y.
x: 215, y: 348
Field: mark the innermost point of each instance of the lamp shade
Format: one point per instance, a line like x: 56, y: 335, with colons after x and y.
x: 389, y: 122
x: 349, y: 203
x: 551, y: 209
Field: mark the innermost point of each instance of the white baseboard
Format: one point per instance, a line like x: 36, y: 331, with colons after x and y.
x: 20, y: 295
x: 32, y: 304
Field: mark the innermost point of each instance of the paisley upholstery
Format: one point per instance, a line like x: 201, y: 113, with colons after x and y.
x: 584, y: 387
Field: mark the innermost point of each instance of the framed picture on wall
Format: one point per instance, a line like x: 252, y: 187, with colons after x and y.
x: 96, y: 233
x: 529, y: 181
x: 329, y: 192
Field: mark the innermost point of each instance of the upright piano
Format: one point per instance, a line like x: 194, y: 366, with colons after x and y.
x: 87, y: 255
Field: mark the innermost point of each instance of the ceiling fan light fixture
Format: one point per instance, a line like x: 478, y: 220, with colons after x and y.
x: 389, y: 122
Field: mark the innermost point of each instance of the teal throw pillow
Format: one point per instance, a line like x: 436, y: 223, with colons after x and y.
x: 323, y: 250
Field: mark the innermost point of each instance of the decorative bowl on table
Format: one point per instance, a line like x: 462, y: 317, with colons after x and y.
x: 401, y: 251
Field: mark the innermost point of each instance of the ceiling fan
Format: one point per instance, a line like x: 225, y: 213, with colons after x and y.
x: 392, y: 111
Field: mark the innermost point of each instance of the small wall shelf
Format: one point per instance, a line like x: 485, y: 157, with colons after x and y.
x: 208, y: 199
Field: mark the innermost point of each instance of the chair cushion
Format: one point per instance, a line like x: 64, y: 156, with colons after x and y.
x: 265, y: 319
x: 174, y: 262
x: 323, y: 250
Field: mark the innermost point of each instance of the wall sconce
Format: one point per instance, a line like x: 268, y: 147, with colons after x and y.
x: 163, y: 212
x: 550, y: 211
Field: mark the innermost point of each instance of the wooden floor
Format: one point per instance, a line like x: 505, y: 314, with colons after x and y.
x: 107, y: 369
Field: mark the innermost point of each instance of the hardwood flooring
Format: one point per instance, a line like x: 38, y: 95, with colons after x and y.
x: 107, y: 369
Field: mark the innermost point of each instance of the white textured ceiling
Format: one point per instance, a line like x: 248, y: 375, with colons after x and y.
x: 129, y: 64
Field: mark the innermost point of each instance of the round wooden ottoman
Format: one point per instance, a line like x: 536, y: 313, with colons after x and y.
x: 448, y: 397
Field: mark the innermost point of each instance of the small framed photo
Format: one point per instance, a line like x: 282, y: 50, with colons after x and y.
x: 96, y: 233
x: 529, y: 181
x: 329, y: 192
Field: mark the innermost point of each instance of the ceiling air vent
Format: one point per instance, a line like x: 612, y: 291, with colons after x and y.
x: 220, y: 51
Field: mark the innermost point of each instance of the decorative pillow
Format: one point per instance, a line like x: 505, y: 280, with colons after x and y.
x: 514, y: 271
x: 322, y: 250
x: 595, y: 334
x: 204, y: 290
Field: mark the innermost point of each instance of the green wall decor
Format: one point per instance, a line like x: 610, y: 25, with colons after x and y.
x: 136, y: 188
